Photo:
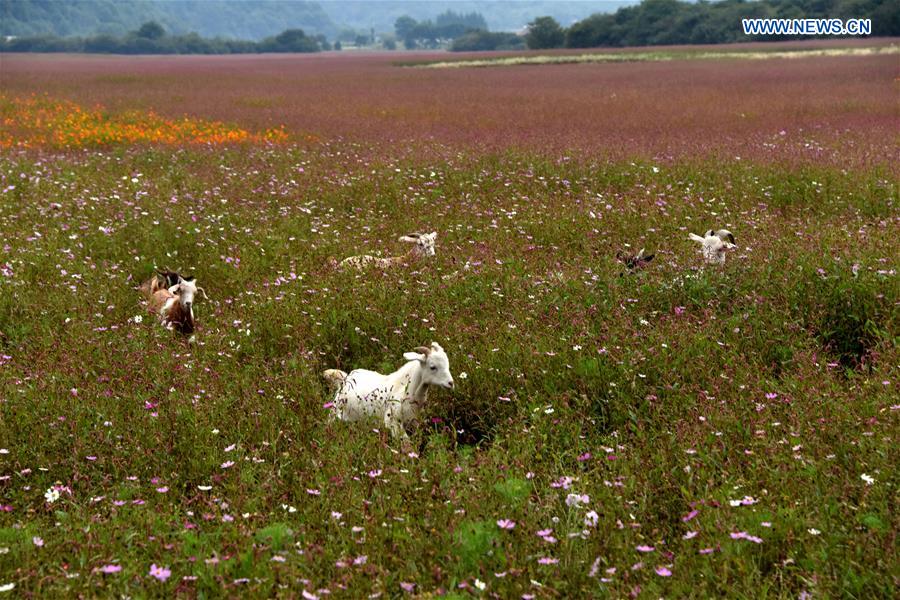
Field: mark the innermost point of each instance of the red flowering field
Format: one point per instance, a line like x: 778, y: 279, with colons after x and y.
x: 681, y: 429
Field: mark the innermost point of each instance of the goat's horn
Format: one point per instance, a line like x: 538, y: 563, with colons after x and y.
x: 423, y: 350
x: 200, y: 289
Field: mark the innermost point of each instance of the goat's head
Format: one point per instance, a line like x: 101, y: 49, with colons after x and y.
x: 726, y: 236
x: 424, y: 242
x: 435, y: 365
x: 723, y: 234
x: 185, y: 290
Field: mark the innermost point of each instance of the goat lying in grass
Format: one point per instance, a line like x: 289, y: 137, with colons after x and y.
x: 634, y: 262
x: 398, y: 397
x: 424, y: 246
x: 715, y: 243
x: 175, y: 304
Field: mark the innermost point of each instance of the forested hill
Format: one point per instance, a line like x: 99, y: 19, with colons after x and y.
x: 233, y: 19
x: 257, y: 19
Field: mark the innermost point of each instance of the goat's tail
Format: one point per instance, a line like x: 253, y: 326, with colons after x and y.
x: 695, y: 237
x: 335, y: 378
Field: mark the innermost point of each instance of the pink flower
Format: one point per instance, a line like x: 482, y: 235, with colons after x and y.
x: 161, y: 573
x: 546, y: 560
x: 689, y: 535
x: 374, y: 473
x: 645, y: 548
x: 407, y: 587
x: 690, y: 516
x: 506, y: 524
x: 227, y: 464
x: 110, y: 569
x: 162, y: 490
x: 663, y: 572
x: 312, y: 492
x: 39, y: 542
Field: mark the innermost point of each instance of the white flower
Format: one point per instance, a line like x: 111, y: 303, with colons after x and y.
x: 591, y: 519
x: 138, y: 319
x: 480, y: 584
x: 813, y: 531
x: 7, y: 587
x: 462, y: 375
x: 577, y: 499
x: 52, y: 495
x: 867, y: 478
x: 204, y: 488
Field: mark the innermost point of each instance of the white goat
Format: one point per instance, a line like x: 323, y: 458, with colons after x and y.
x: 175, y: 304
x: 715, y: 243
x: 424, y: 246
x: 396, y: 398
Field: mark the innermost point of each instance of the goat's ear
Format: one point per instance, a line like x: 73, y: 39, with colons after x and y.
x: 414, y: 356
x: 412, y: 237
x: 188, y: 278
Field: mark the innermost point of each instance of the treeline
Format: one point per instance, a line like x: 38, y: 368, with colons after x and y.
x: 151, y: 38
x: 480, y: 41
x: 447, y: 26
x: 667, y: 22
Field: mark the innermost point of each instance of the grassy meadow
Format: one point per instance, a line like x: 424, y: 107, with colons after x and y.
x: 686, y: 431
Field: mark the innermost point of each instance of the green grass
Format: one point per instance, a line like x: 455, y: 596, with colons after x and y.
x: 648, y: 392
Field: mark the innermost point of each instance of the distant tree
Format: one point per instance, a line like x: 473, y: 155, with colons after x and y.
x: 337, y: 45
x: 289, y: 40
x: 475, y: 41
x: 404, y: 26
x: 151, y: 30
x: 323, y: 42
x: 545, y: 32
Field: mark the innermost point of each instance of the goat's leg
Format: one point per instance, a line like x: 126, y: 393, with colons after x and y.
x: 393, y: 424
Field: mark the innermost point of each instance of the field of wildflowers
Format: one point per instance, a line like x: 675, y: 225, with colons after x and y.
x: 685, y: 431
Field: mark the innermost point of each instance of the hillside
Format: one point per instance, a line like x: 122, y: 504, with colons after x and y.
x: 236, y: 19
x: 256, y: 19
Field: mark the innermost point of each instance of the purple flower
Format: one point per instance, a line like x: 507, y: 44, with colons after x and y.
x: 161, y: 573
x: 408, y: 587
x: 663, y: 572
x: 110, y: 569
x: 506, y: 524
